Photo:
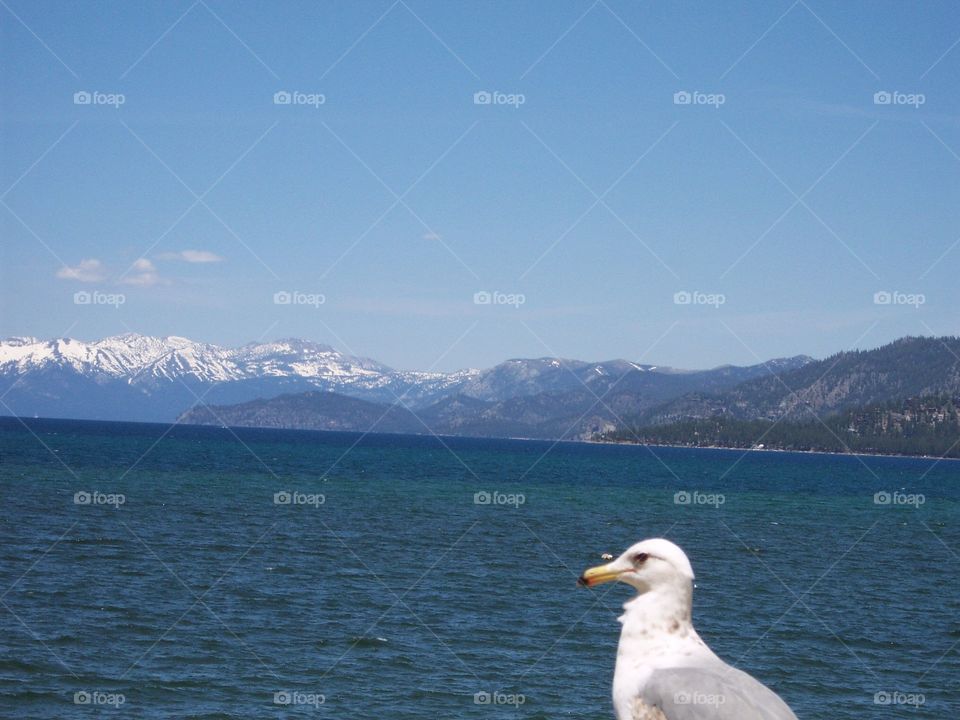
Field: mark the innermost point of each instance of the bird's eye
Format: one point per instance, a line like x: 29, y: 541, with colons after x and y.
x: 640, y: 558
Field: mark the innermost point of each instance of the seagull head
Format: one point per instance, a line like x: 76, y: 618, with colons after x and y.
x: 648, y: 565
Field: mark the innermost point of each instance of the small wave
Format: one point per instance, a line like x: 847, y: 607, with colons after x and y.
x: 367, y: 641
x: 7, y: 664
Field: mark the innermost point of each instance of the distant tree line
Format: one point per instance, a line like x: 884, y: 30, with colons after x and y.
x: 916, y: 426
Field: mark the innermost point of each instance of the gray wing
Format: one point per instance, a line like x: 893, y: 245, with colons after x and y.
x: 712, y: 692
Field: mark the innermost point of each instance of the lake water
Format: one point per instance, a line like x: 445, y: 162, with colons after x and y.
x: 153, y: 572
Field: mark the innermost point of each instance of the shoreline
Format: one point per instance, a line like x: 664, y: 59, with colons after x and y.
x: 772, y: 450
x: 573, y: 441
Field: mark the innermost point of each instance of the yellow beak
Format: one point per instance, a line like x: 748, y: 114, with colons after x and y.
x: 598, y: 575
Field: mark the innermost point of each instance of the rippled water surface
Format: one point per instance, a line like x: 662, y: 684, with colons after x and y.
x: 383, y: 589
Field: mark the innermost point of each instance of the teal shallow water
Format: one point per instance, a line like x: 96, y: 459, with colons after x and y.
x: 383, y: 589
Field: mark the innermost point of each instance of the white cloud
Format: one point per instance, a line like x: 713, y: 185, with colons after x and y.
x: 431, y: 236
x: 192, y: 256
x: 88, y: 270
x: 145, y: 274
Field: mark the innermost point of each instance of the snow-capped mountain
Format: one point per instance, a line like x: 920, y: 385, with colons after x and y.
x: 142, y: 378
x: 137, y: 377
x: 137, y: 358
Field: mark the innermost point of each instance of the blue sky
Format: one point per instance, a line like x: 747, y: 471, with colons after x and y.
x: 588, y: 199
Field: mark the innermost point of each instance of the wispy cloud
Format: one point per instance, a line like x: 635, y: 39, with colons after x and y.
x: 191, y: 256
x: 88, y: 270
x: 145, y: 274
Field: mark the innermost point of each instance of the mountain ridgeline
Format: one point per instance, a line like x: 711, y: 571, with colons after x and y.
x: 791, y: 402
x: 911, y: 367
x: 899, y: 398
x: 140, y: 378
x: 541, y: 398
x: 149, y: 379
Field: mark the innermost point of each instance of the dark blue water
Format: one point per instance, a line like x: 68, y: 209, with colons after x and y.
x: 382, y: 589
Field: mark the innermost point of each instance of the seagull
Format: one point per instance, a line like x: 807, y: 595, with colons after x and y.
x: 664, y: 670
